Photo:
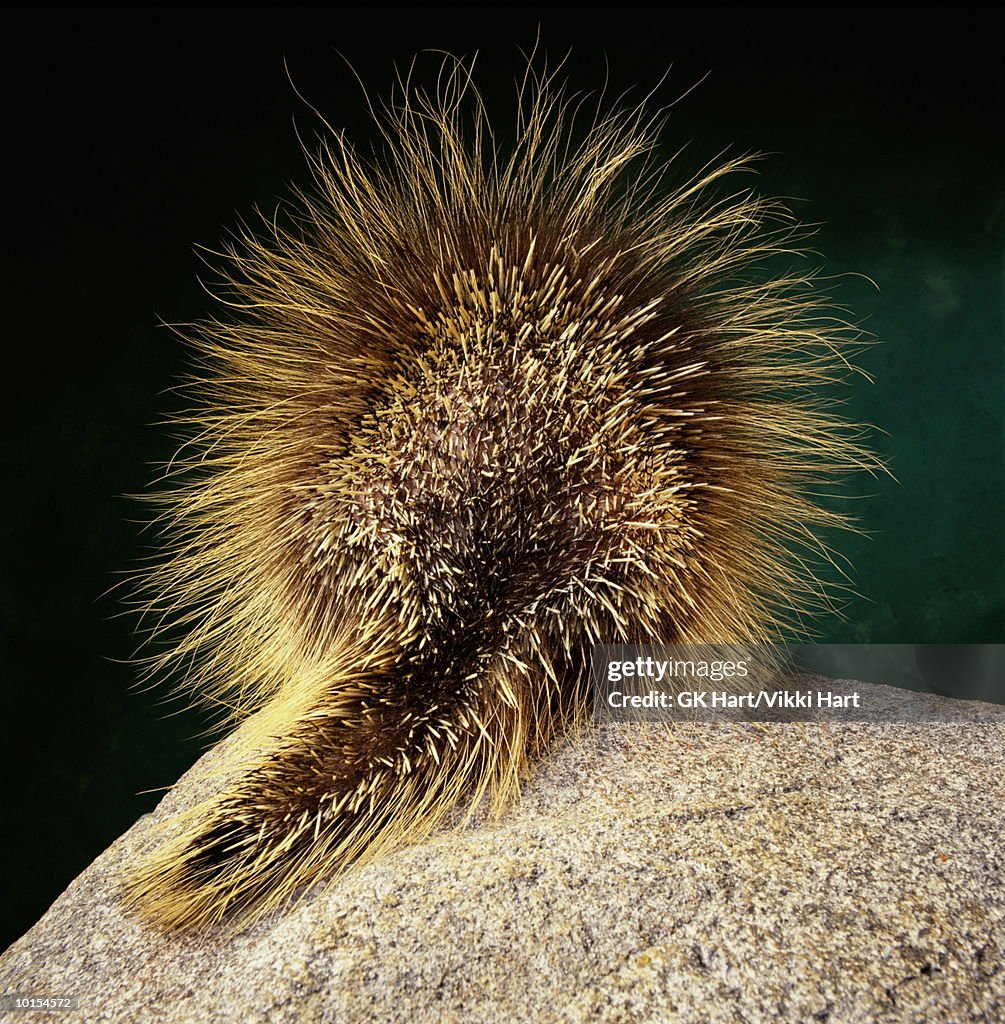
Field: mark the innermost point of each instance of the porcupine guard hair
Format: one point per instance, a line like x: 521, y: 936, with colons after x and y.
x: 465, y: 416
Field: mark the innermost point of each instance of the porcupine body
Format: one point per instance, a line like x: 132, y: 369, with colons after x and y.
x: 466, y: 416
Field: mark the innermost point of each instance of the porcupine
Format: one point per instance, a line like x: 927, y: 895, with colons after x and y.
x: 467, y: 415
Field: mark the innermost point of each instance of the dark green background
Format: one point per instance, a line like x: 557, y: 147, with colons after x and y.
x: 132, y: 135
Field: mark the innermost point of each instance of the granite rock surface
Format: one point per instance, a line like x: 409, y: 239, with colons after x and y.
x: 725, y: 872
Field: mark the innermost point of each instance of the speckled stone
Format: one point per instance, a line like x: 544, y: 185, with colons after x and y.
x: 730, y: 872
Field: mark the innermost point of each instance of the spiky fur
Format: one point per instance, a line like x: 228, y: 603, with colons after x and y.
x: 468, y: 416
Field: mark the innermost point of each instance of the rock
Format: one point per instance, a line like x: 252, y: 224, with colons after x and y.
x: 725, y: 872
